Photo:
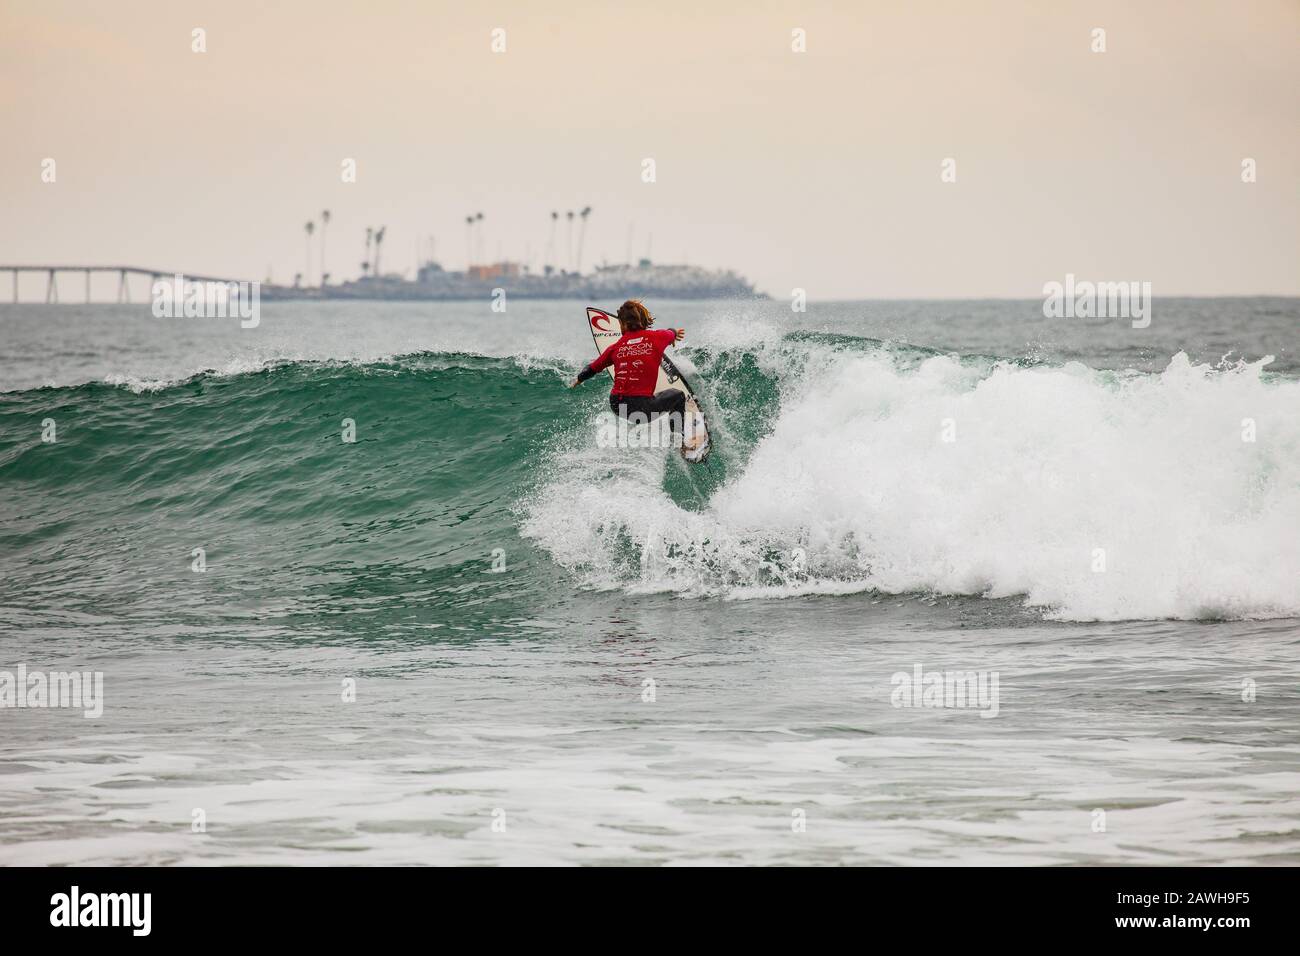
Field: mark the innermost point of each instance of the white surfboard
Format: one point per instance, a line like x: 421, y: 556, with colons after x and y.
x: 695, y: 443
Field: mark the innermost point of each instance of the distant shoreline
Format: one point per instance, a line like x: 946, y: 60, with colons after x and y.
x: 574, y: 297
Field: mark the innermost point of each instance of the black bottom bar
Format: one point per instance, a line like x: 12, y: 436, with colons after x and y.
x: 332, y: 906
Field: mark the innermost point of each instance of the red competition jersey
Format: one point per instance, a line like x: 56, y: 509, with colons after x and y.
x: 635, y: 357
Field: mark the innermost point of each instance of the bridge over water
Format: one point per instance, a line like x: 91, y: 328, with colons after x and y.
x: 123, y: 287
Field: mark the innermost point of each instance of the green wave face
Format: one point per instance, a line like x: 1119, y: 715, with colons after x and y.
x: 254, y: 470
x: 299, y: 527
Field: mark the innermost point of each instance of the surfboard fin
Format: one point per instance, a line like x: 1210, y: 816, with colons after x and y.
x: 695, y: 434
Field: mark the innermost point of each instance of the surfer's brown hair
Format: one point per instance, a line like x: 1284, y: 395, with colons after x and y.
x: 633, y: 316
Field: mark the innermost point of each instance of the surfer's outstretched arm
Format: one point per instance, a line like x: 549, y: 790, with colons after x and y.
x: 604, y: 361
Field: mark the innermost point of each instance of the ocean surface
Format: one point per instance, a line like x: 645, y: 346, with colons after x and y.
x: 476, y: 635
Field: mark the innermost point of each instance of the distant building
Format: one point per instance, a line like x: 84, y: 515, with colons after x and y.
x: 497, y: 270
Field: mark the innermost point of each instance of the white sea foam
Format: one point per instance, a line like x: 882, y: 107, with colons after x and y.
x: 249, y: 365
x: 241, y: 365
x: 136, y: 384
x: 1095, y: 495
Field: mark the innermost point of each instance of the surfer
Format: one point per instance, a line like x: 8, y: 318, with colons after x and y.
x: 635, y: 358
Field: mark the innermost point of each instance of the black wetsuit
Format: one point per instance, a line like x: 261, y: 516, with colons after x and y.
x: 670, y: 401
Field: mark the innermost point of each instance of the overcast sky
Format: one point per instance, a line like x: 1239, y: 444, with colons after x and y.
x: 818, y: 170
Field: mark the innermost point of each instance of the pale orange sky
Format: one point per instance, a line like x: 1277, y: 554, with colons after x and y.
x: 817, y: 170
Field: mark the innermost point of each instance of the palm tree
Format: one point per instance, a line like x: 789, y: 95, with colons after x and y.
x: 310, y: 227
x: 582, y: 233
x: 568, y: 255
x: 550, y: 242
x: 469, y: 242
x: 379, y: 242
x: 324, y: 221
x: 478, y: 218
x: 370, y: 235
x: 297, y: 279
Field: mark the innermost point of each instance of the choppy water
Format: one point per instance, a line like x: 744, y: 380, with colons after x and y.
x: 673, y: 664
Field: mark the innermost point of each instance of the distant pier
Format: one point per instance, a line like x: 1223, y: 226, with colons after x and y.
x: 123, y: 272
x: 433, y: 283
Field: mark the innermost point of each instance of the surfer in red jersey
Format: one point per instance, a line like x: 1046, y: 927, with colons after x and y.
x: 635, y: 358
